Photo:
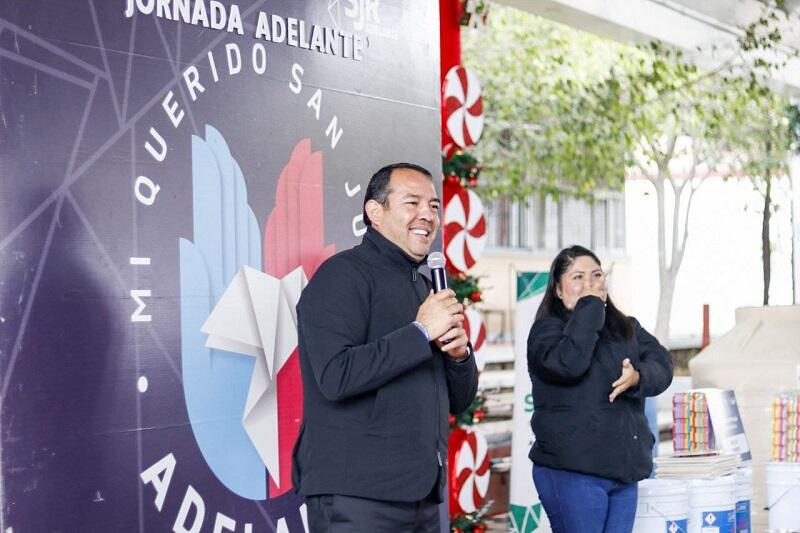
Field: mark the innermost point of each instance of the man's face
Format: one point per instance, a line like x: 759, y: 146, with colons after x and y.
x: 410, y: 217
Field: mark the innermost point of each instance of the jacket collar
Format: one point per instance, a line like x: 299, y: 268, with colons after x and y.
x: 390, y: 250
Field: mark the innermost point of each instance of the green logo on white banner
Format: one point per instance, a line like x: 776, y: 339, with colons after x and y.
x: 530, y: 284
x: 525, y: 519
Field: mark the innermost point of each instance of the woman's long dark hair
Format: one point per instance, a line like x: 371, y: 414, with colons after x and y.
x: 617, y: 324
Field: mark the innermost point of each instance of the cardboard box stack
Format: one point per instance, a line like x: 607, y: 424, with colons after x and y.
x: 697, y: 453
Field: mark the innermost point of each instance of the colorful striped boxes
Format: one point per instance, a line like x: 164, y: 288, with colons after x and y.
x: 692, y: 432
x: 786, y: 427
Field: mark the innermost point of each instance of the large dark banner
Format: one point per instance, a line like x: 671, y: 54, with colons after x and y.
x: 171, y: 174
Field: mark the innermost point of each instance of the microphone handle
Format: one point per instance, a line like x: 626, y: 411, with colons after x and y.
x: 439, y: 279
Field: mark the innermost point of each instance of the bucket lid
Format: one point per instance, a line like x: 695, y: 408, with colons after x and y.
x: 663, y: 487
x: 722, y: 483
x: 783, y: 466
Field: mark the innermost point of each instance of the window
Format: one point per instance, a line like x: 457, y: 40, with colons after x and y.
x: 600, y: 225
x: 498, y: 221
x: 617, y: 223
x: 547, y: 225
x: 576, y: 221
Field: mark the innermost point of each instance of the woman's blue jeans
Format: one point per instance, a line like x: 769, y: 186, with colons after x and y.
x: 581, y: 503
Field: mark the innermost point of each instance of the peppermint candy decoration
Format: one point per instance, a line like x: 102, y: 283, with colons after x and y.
x: 448, y: 148
x: 464, y: 227
x: 476, y: 333
x: 463, y: 106
x: 468, y: 471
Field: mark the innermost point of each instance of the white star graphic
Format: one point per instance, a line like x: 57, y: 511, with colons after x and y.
x: 337, y: 18
x: 256, y: 316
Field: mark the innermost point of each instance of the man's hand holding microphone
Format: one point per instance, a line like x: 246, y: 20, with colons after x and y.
x: 442, y: 315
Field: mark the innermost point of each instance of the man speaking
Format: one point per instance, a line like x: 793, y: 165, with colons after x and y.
x: 384, y: 360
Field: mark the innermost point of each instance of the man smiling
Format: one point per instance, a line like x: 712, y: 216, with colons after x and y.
x: 384, y: 360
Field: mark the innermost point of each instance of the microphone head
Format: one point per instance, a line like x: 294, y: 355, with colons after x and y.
x: 436, y: 260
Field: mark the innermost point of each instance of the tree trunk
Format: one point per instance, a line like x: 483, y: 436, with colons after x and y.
x: 766, y: 253
x: 668, y: 273
x: 665, y: 297
x: 666, y: 277
x: 793, y: 219
x: 668, y: 269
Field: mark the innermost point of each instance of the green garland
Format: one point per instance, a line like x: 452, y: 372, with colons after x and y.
x: 468, y: 292
x: 472, y: 414
x: 466, y: 287
x: 463, y: 167
x: 474, y: 12
x: 471, y: 522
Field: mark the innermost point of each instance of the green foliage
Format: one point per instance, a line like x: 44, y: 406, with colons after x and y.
x: 793, y: 113
x: 766, y: 132
x: 551, y: 110
x: 567, y: 112
x: 764, y: 137
x: 677, y: 113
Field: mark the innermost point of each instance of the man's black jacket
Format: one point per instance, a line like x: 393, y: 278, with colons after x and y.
x: 376, y: 394
x: 572, y: 366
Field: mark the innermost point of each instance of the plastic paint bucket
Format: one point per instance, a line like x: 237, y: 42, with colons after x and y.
x: 783, y: 496
x: 712, y: 505
x: 663, y: 506
x: 744, y: 493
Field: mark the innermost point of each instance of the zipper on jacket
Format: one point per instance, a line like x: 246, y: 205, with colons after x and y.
x: 435, y: 384
x: 436, y: 417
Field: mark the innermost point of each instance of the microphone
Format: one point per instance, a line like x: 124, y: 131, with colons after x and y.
x: 436, y: 262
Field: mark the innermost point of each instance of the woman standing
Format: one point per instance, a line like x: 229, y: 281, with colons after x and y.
x: 591, y: 368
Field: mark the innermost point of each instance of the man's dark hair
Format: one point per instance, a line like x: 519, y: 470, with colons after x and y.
x: 378, y: 187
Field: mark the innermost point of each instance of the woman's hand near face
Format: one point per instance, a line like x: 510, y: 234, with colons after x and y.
x: 594, y: 285
x: 584, y: 277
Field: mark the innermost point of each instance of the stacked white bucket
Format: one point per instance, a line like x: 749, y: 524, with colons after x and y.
x: 663, y: 506
x: 744, y: 495
x: 783, y: 496
x: 720, y: 505
x: 712, y: 505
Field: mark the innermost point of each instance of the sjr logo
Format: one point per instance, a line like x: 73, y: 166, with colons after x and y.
x: 241, y: 374
x: 362, y: 12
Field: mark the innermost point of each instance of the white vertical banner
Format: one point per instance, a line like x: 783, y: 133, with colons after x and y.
x: 525, y: 510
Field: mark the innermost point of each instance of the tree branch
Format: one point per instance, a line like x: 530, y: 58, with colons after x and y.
x: 661, y: 230
x: 679, y: 258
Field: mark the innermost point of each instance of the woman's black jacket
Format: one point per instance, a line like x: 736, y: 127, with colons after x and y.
x: 572, y: 366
